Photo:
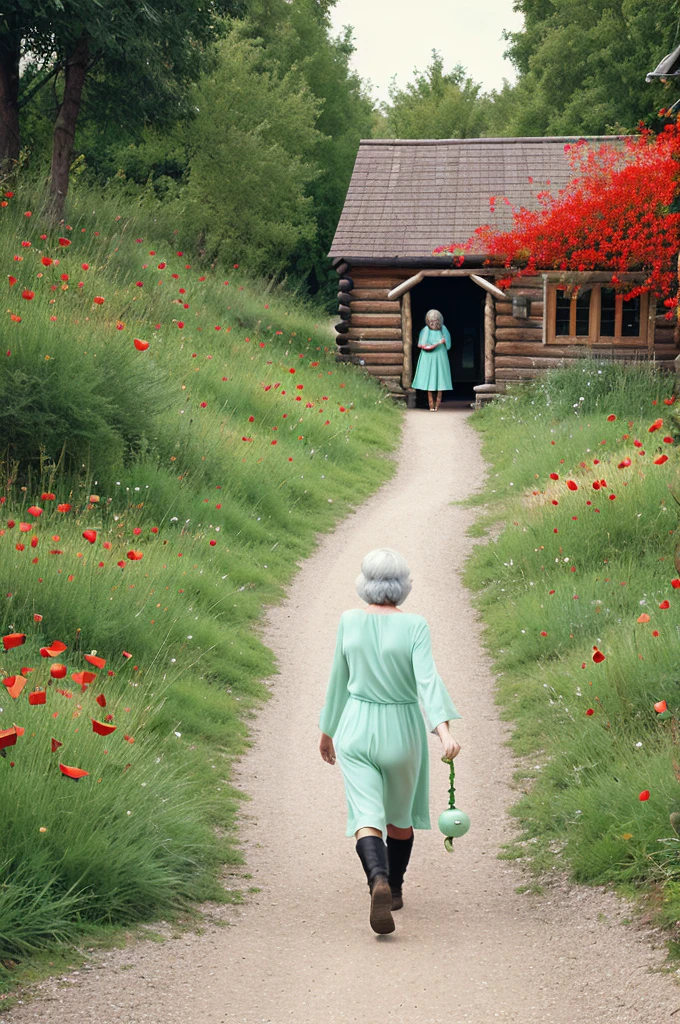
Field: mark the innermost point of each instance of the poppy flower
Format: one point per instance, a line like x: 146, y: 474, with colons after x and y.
x: 98, y: 300
x: 624, y: 463
x: 660, y: 460
x: 37, y: 617
x: 611, y: 418
x: 656, y: 425
x: 83, y: 679
x: 27, y: 294
x: 13, y: 640
x: 64, y: 507
x: 11, y: 280
x: 590, y: 711
x: 90, y: 535
x: 93, y: 659
x: 140, y: 345
x: 598, y: 656
x: 63, y: 242
x: 660, y: 707
x: 46, y: 261
x: 55, y: 745
x: 53, y: 649
x: 643, y: 618
x: 8, y: 737
x: 644, y: 795
x: 102, y: 729
x: 57, y: 670
x: 126, y: 654
x: 135, y: 556
x: 675, y: 584
x: 664, y: 605
x: 72, y: 773
x: 213, y: 543
x: 101, y: 700
x: 38, y: 696
x: 15, y: 685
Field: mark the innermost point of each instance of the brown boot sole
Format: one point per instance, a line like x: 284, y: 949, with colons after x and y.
x: 381, y: 907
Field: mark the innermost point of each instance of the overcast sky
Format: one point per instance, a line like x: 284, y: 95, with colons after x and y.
x: 396, y: 36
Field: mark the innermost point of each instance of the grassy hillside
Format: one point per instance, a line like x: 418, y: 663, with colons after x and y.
x: 173, y: 440
x: 584, y: 473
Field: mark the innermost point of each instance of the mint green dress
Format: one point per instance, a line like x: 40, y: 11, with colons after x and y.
x: 433, y: 372
x: 382, y: 669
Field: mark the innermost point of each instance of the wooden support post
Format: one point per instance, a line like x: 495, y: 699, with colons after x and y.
x: 406, y: 327
x: 489, y: 339
x: 651, y: 326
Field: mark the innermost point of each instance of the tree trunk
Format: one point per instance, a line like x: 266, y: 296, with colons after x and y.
x: 65, y: 126
x: 10, y: 49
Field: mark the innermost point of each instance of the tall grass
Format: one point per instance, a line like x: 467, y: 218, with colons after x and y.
x: 168, y: 452
x: 576, y: 569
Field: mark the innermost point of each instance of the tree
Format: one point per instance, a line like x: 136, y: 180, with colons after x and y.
x: 436, y: 105
x: 152, y: 50
x: 582, y: 65
x: 251, y: 163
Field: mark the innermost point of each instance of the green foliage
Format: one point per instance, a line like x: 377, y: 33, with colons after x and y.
x: 436, y: 105
x: 574, y: 570
x: 583, y: 65
x: 147, y: 448
x: 249, y: 172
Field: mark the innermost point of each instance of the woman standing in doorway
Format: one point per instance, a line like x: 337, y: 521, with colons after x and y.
x: 382, y: 670
x: 433, y: 373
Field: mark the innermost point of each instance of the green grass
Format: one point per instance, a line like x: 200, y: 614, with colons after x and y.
x: 147, y: 449
x: 575, y: 569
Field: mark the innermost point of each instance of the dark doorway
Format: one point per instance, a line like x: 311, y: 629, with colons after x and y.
x: 461, y: 303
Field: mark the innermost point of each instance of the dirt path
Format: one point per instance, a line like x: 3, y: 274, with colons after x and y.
x: 467, y: 947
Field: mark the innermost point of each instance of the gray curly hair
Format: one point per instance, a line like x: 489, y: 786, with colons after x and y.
x: 385, y: 577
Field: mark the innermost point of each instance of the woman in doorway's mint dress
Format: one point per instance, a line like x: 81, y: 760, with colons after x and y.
x: 433, y: 373
x: 383, y: 667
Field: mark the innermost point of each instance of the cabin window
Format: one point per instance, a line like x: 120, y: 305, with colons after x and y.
x: 596, y: 314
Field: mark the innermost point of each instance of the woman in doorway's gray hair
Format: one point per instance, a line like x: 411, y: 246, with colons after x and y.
x: 433, y: 373
x: 382, y: 669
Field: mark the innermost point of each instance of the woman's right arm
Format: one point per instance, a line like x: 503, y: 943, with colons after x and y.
x: 336, y: 691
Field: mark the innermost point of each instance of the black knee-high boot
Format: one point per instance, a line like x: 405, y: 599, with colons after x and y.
x: 373, y: 856
x: 399, y: 854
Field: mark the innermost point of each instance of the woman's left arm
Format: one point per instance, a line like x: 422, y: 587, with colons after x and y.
x: 437, y: 704
x: 336, y: 698
x: 447, y: 336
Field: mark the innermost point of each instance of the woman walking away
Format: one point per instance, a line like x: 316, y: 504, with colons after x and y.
x: 381, y: 670
x: 433, y: 373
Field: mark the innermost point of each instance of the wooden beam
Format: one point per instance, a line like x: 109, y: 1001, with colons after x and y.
x: 376, y: 319
x: 488, y: 286
x: 405, y: 286
x: 374, y: 306
x: 489, y: 339
x: 411, y: 282
x: 406, y: 333
x: 382, y: 333
x: 370, y: 346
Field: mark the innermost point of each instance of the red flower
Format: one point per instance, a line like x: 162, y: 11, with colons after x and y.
x: 135, y: 556
x: 140, y: 345
x: 664, y: 605
x: 64, y: 242
x: 98, y: 300
x: 590, y: 711
x: 27, y: 294
x: 554, y: 476
x: 572, y: 485
x: 611, y: 418
x: 644, y: 795
x: 656, y: 425
x: 660, y: 460
x: 598, y: 656
x: 46, y: 261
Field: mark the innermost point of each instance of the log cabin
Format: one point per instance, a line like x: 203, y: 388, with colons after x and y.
x: 405, y: 198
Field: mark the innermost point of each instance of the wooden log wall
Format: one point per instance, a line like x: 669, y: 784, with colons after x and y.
x: 521, y: 355
x: 372, y: 331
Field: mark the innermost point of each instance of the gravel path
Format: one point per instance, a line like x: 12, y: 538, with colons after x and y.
x: 468, y: 948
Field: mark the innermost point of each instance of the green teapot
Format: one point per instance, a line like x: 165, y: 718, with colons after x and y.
x: 453, y: 823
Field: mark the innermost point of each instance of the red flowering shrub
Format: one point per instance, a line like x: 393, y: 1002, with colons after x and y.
x: 615, y: 214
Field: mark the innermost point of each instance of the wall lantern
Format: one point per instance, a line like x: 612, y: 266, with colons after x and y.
x: 521, y: 306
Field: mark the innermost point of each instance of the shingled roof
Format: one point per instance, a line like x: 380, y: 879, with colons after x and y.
x: 408, y: 196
